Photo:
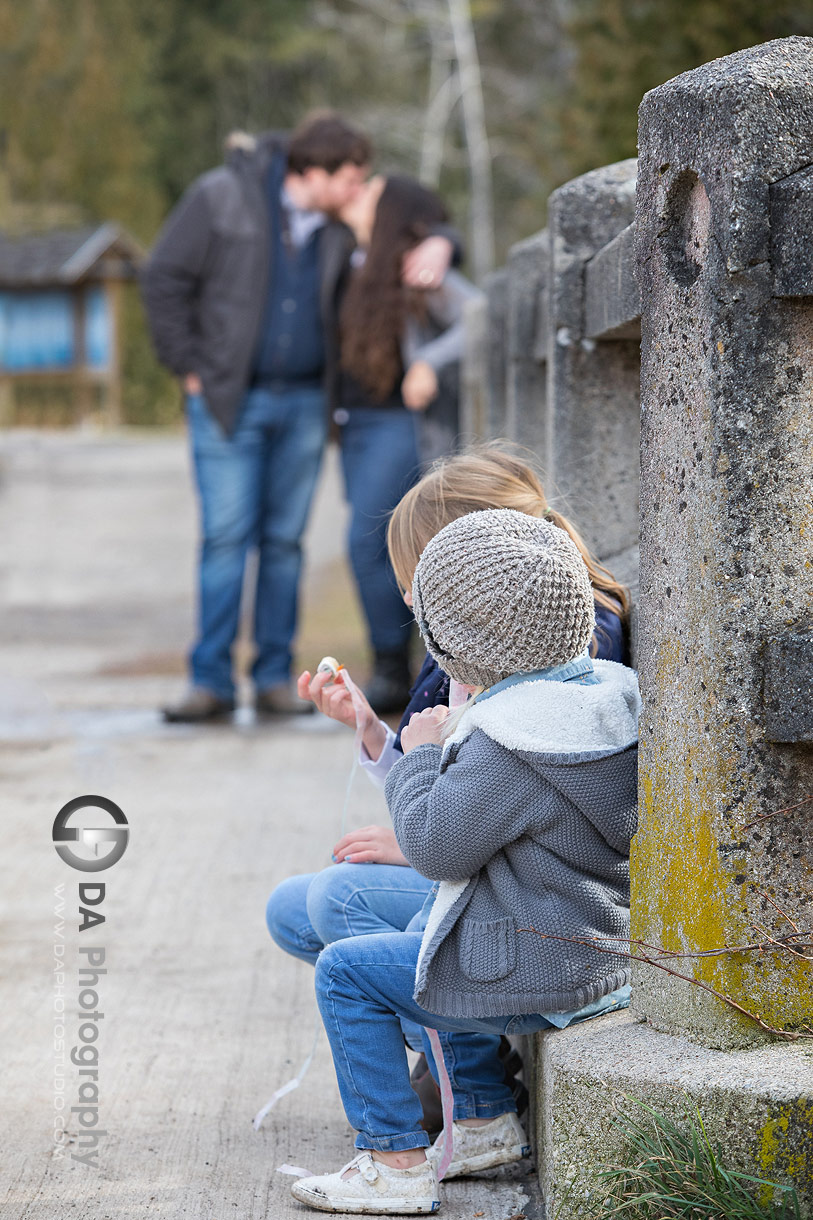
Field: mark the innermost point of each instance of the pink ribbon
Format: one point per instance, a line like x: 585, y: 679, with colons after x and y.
x: 446, y: 1101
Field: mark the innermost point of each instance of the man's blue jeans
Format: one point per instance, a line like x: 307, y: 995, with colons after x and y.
x: 255, y: 490
x: 380, y: 463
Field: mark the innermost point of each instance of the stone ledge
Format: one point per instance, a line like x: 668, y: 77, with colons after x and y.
x: 757, y: 1105
x: 612, y: 299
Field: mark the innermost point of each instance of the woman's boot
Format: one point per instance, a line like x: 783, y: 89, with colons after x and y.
x: 388, y: 689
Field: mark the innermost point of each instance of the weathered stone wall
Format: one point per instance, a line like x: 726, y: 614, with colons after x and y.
x: 726, y: 529
x: 715, y: 274
x: 553, y: 366
x: 593, y: 383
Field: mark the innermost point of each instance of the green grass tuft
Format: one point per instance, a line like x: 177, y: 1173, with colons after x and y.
x: 674, y: 1172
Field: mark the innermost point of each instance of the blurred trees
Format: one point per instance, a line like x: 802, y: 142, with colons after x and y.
x: 109, y: 108
x: 113, y: 107
x: 622, y: 48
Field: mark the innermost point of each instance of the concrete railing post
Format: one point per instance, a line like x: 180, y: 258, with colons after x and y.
x: 593, y: 384
x: 483, y: 377
x: 722, y: 864
x: 726, y: 550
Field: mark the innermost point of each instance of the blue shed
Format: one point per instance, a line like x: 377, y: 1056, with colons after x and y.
x: 60, y: 307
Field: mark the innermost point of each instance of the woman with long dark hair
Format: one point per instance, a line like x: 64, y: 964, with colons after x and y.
x: 397, y: 399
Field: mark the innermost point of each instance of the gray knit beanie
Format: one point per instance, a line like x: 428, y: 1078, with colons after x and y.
x: 498, y: 592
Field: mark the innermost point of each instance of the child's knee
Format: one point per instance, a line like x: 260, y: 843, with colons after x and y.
x: 286, y: 910
x: 330, y: 966
x: 329, y: 896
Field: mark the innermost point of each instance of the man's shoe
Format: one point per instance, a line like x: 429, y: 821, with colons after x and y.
x: 500, y: 1142
x: 197, y: 706
x: 388, y: 689
x: 281, y: 700
x: 375, y: 1190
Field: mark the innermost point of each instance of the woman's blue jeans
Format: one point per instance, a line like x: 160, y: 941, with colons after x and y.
x: 255, y: 489
x: 380, y: 463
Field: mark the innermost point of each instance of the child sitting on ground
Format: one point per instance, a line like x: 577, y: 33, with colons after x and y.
x: 521, y: 807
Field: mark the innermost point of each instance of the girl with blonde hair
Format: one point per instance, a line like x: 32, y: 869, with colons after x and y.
x: 491, y: 476
x: 371, y: 887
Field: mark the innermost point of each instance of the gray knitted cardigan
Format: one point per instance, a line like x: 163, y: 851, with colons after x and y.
x: 525, y: 818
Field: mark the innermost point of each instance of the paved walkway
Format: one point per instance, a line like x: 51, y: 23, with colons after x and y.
x: 203, y: 1017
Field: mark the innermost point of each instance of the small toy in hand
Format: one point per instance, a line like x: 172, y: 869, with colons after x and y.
x: 329, y: 665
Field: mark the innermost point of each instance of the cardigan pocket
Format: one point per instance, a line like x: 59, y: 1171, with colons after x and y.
x: 488, y: 948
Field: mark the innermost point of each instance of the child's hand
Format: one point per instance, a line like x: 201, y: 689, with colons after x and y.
x: 424, y: 728
x: 370, y: 845
x: 332, y: 697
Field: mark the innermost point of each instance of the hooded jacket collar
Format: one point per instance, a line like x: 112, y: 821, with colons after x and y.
x: 560, y: 718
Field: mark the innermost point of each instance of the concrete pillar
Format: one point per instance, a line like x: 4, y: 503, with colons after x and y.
x: 474, y: 372
x: 593, y: 384
x: 483, y: 372
x: 726, y: 535
x: 722, y: 858
x: 495, y: 286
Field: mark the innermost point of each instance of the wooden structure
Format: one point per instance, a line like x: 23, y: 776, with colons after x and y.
x: 60, y: 314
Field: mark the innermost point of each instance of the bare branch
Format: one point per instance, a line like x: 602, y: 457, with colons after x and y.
x: 658, y: 963
x: 474, y: 122
x: 763, y: 817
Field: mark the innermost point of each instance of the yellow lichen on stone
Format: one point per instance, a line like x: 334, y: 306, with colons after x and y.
x: 686, y: 896
x: 778, y: 1153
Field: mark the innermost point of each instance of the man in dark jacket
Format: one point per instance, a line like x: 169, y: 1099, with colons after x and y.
x: 240, y: 294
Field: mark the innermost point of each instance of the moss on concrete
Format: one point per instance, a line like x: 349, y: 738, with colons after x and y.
x: 757, y: 1105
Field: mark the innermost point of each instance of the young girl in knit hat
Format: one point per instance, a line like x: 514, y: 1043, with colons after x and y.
x: 486, y: 477
x: 521, y: 809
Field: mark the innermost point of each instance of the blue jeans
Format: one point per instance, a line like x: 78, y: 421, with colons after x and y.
x: 255, y: 490
x: 307, y: 912
x: 364, y: 988
x: 380, y: 463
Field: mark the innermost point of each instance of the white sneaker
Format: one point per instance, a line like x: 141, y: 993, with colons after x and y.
x: 376, y: 1190
x: 500, y: 1142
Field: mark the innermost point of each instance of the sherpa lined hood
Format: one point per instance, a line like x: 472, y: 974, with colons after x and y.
x: 547, y: 718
